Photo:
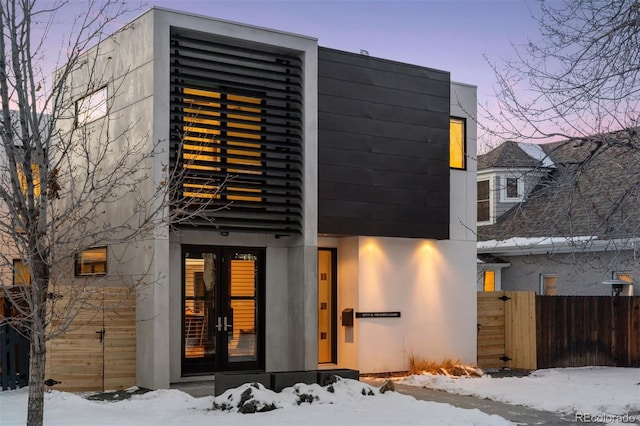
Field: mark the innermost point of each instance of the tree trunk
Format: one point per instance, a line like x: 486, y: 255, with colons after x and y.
x: 35, y: 410
x: 39, y: 287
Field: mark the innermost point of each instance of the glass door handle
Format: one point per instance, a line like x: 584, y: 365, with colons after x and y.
x: 227, y: 326
x: 219, y: 324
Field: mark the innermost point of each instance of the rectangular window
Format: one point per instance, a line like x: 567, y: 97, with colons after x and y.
x: 457, y: 143
x: 623, y: 276
x: 483, y: 201
x: 92, y: 261
x: 489, y: 281
x: 91, y: 107
x: 222, y: 134
x: 512, y: 189
x: 24, y: 181
x: 21, y: 273
x: 35, y: 179
x: 548, y: 285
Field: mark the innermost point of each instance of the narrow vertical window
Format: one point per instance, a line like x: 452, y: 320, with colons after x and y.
x: 489, y: 281
x: 21, y: 273
x: 512, y: 188
x: 483, y: 201
x: 457, y: 142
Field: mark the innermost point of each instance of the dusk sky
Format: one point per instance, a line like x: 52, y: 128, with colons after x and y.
x: 452, y: 35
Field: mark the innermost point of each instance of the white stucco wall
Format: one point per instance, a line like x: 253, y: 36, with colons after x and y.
x: 426, y: 281
x: 429, y: 284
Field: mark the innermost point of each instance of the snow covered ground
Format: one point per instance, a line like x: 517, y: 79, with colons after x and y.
x: 593, y: 390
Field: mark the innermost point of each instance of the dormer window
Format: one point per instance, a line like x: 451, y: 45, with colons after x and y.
x: 511, y: 189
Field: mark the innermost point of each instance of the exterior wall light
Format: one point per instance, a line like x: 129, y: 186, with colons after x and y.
x: 616, y: 286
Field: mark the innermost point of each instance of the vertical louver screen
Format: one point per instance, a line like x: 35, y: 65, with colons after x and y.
x: 236, y: 133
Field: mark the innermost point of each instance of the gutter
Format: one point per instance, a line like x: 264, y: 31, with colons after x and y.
x: 567, y: 246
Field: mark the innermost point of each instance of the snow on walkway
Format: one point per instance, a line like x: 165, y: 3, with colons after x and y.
x: 592, y: 390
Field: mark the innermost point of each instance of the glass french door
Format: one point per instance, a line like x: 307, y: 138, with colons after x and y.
x: 223, y: 316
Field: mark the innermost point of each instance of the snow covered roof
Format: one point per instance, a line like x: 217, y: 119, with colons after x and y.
x: 536, y: 152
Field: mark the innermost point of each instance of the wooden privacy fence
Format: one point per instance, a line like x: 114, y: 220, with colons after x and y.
x: 98, y: 350
x: 575, y: 331
x: 524, y: 331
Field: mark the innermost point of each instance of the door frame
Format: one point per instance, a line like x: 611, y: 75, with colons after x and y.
x: 190, y: 366
x: 333, y: 314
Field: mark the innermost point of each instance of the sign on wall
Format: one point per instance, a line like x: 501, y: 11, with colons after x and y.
x: 377, y: 314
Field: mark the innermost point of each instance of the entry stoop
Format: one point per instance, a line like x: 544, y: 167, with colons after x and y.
x: 225, y: 381
x: 285, y: 379
x: 345, y: 373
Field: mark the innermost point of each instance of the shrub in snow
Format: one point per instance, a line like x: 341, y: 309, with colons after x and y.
x: 246, y: 399
x: 255, y: 398
x: 388, y: 386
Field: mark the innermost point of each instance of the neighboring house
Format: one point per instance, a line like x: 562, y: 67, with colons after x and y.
x: 560, y: 218
x: 349, y: 241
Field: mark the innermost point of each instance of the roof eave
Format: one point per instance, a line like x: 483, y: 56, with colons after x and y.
x: 589, y: 246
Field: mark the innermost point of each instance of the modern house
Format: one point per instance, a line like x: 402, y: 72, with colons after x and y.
x: 560, y: 218
x: 344, y: 233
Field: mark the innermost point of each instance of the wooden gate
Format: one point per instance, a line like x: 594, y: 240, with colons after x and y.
x: 507, y: 329
x: 98, y: 350
x: 14, y: 353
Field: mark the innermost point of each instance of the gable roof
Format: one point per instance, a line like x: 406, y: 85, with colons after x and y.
x: 594, y: 191
x: 507, y: 154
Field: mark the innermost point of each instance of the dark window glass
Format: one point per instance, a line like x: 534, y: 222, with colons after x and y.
x: 483, y: 201
x: 512, y: 188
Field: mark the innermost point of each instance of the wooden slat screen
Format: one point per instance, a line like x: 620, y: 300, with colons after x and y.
x: 236, y: 113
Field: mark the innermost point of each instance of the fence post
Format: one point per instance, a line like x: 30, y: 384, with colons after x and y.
x: 4, y: 337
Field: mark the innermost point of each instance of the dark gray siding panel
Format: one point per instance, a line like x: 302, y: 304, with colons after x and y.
x: 383, y: 147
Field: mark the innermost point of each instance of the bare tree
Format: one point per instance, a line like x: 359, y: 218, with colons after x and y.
x: 68, y: 162
x: 579, y: 79
x: 576, y: 85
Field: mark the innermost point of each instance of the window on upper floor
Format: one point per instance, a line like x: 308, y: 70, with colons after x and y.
x: 511, y: 189
x: 457, y: 143
x: 548, y: 284
x: 91, y: 107
x: 484, y: 205
x: 91, y: 261
x: 222, y: 135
